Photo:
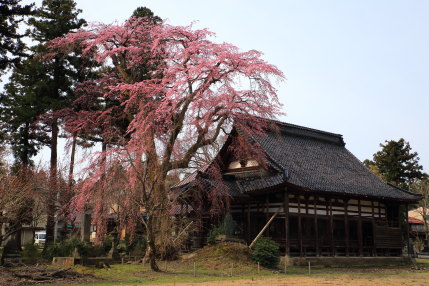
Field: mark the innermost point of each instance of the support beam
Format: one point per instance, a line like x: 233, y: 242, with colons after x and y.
x: 316, y: 227
x: 331, y: 228
x: 407, y: 235
x: 264, y: 228
x: 360, y: 236
x: 248, y: 224
x: 301, y: 253
x: 374, y: 245
x: 266, y: 210
x: 346, y: 225
x: 286, y: 211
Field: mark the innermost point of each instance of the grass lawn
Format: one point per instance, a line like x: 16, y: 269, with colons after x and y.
x: 181, y: 273
x: 230, y: 264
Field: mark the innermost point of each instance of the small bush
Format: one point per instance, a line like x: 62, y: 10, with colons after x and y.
x: 214, y: 232
x: 229, y: 225
x: 266, y: 252
x: 139, y: 248
x: 67, y: 247
x: 30, y: 254
x: 107, y: 244
x: 85, y: 249
x: 63, y: 248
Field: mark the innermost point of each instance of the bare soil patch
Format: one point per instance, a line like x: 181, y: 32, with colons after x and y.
x: 41, y: 274
x: 415, y: 279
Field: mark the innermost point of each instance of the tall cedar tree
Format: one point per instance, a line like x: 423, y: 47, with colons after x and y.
x: 195, y: 90
x: 55, y: 19
x: 20, y: 109
x: 11, y: 46
x: 396, y: 164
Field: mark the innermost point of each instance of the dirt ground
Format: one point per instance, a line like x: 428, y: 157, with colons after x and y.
x: 41, y: 274
x: 418, y: 279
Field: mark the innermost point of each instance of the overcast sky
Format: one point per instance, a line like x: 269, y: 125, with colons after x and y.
x: 358, y: 68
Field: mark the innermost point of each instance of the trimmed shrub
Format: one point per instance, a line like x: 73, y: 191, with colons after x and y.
x: 266, y: 252
x: 30, y: 254
x: 139, y: 248
x: 229, y: 225
x: 64, y: 248
x: 214, y: 232
x: 85, y: 249
x: 107, y: 244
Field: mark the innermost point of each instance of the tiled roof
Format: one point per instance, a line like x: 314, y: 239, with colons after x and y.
x: 318, y: 161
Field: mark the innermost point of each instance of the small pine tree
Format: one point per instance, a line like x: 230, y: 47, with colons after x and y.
x: 229, y: 225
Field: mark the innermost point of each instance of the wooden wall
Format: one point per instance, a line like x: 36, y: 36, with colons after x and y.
x: 315, y: 225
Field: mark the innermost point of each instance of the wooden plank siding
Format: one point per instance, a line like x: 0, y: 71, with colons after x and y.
x: 313, y: 225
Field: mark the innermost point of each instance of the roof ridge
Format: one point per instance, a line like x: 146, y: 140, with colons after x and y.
x: 299, y: 126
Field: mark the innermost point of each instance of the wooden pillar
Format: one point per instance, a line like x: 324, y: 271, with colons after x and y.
x: 243, y: 218
x: 286, y: 211
x: 316, y: 228
x: 407, y: 229
x: 306, y: 204
x: 346, y: 226
x: 360, y: 237
x: 379, y: 210
x: 374, y: 246
x: 248, y: 223
x: 300, y: 227
x: 267, y: 216
x: 331, y: 227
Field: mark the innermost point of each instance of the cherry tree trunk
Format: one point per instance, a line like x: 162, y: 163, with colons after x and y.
x: 151, y: 252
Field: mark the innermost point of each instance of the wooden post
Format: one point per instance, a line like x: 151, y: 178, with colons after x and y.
x: 267, y: 212
x: 248, y: 223
x: 243, y: 215
x: 331, y: 226
x: 379, y: 210
x: 316, y: 227
x: 306, y: 204
x: 285, y: 264
x: 346, y: 225
x: 407, y: 235
x: 360, y: 237
x: 299, y: 227
x: 374, y: 246
x: 286, y: 212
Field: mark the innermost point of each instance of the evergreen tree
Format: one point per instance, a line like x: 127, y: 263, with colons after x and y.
x: 55, y: 19
x: 11, y: 46
x: 39, y: 88
x: 19, y: 111
x: 141, y: 12
x: 396, y: 164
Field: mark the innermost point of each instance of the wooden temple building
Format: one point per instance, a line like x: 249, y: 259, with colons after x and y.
x: 312, y: 195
